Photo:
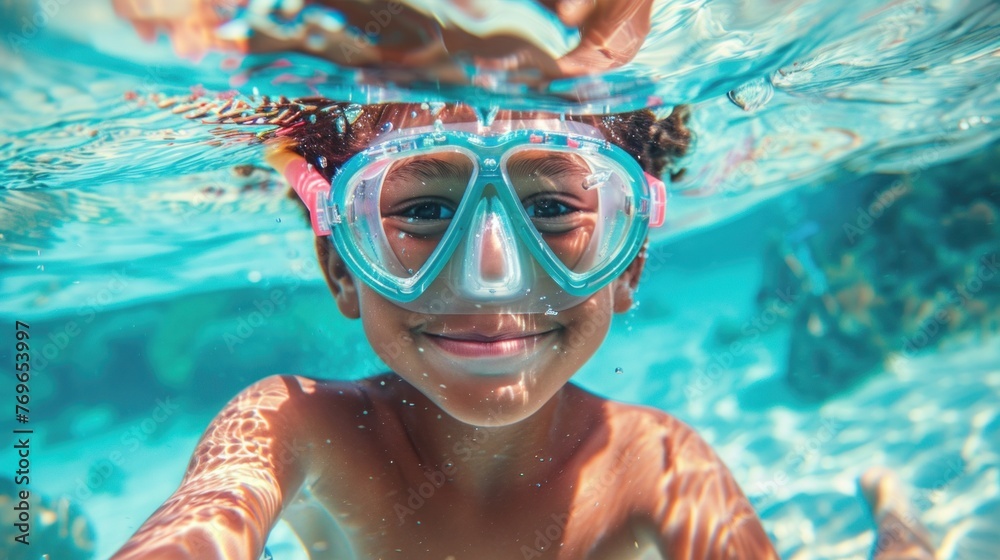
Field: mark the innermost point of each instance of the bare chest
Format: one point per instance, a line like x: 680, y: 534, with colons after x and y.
x: 380, y: 517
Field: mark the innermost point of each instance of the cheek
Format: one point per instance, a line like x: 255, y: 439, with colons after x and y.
x: 385, y: 327
x: 590, y: 323
x: 412, y: 251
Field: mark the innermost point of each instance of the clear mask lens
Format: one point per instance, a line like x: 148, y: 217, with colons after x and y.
x: 532, y: 231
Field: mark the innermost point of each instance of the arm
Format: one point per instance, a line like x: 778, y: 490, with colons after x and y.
x: 248, y: 464
x: 702, y: 512
x: 611, y: 34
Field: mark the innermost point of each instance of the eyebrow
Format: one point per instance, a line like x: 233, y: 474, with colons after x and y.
x: 550, y: 165
x: 431, y: 168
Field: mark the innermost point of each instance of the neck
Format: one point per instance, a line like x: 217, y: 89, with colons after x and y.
x: 485, y: 460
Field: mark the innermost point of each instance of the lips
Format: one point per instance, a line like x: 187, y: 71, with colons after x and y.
x: 475, y: 345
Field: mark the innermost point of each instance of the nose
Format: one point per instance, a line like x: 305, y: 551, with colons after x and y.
x: 492, y: 267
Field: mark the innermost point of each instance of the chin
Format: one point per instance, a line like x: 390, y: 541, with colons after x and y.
x: 491, y: 418
x: 494, y: 400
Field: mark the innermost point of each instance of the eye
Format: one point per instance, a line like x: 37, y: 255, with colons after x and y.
x: 427, y: 210
x: 546, y: 208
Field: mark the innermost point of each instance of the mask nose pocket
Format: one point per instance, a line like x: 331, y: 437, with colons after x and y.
x: 492, y: 267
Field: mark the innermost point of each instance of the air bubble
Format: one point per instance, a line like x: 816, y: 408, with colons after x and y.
x: 753, y: 95
x: 352, y: 112
x: 619, y: 370
x: 387, y: 127
x: 321, y: 160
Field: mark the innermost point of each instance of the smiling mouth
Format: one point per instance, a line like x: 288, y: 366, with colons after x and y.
x: 476, y: 345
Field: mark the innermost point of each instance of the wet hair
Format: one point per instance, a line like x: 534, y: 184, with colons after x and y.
x: 328, y: 133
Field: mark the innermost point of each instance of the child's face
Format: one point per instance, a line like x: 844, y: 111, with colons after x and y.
x: 488, y: 369
x: 500, y: 366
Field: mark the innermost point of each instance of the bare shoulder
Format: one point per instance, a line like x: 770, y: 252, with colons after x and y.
x: 283, y: 416
x: 653, y: 428
x: 698, y: 510
x: 281, y: 404
x: 646, y: 431
x: 302, y: 398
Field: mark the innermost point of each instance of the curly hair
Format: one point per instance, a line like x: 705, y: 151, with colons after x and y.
x: 328, y: 133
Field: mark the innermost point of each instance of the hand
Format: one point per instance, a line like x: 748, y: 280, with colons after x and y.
x: 611, y: 32
x: 191, y: 24
x: 397, y: 36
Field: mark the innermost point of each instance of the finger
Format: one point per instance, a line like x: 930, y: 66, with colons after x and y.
x: 526, y: 64
x: 338, y: 46
x: 146, y: 31
x: 610, y: 38
x: 189, y: 41
x: 571, y: 13
x: 574, y: 13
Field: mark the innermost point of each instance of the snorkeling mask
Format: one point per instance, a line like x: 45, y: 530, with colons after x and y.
x: 534, y: 218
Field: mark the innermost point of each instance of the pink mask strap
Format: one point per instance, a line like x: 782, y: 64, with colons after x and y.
x: 658, y: 201
x: 313, y: 189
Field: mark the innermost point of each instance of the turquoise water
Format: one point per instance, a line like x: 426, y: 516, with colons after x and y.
x: 142, y: 248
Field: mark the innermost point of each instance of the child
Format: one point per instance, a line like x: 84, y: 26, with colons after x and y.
x: 484, y: 256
